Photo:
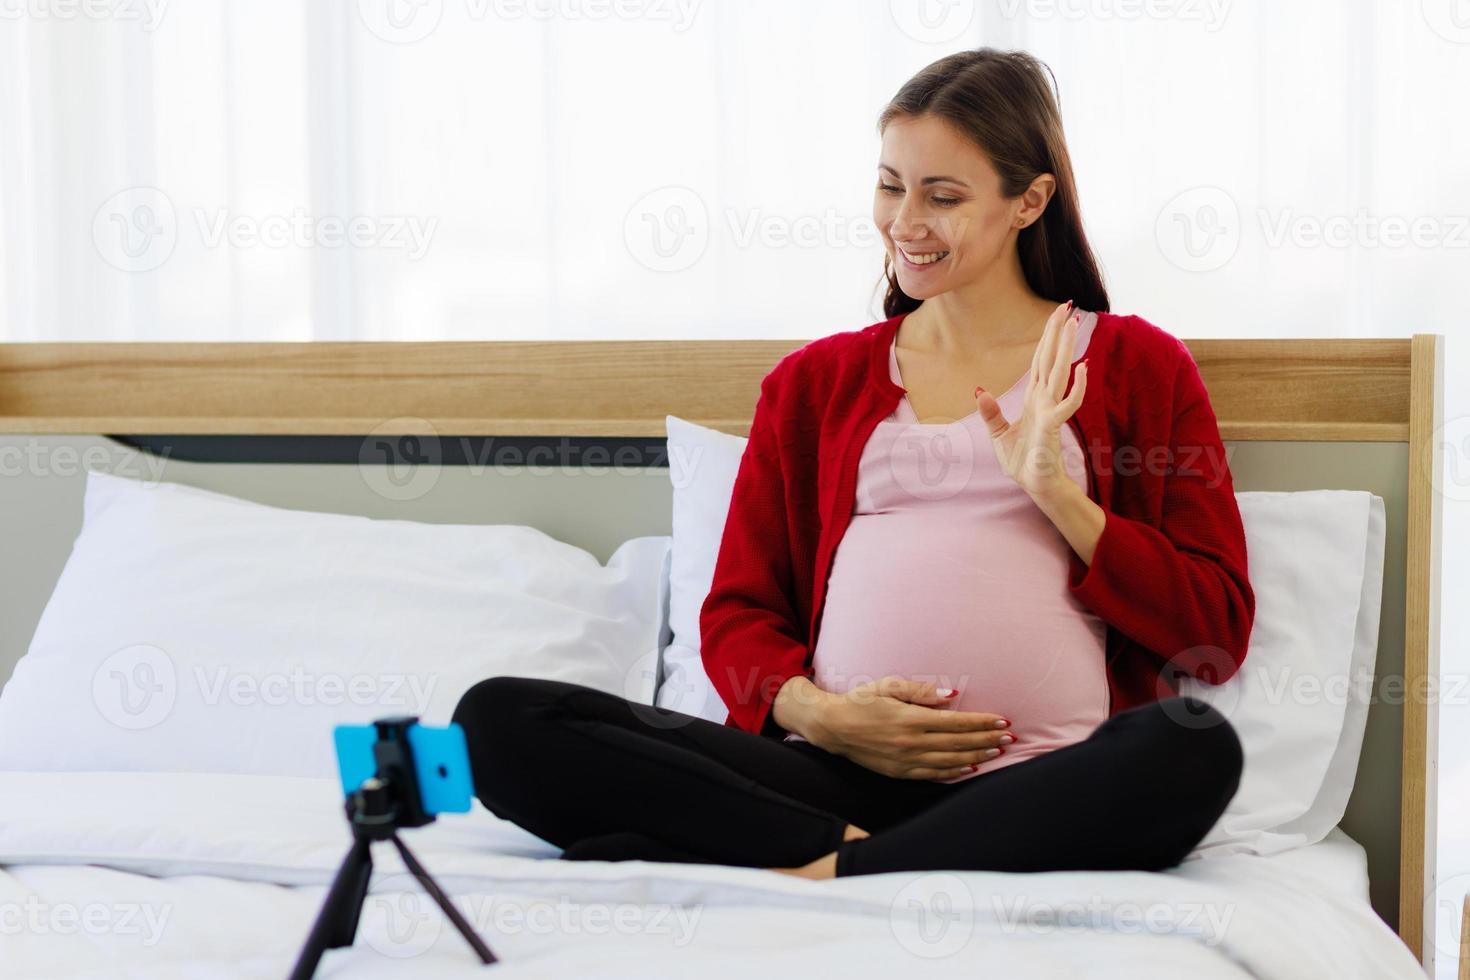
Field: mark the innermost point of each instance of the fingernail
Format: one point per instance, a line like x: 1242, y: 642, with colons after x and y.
x: 978, y: 389
x: 1002, y: 724
x: 947, y: 692
x: 973, y: 767
x: 992, y: 753
x: 1069, y: 304
x: 1007, y: 739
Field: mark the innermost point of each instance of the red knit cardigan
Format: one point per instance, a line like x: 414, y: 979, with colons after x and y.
x: 1168, y: 575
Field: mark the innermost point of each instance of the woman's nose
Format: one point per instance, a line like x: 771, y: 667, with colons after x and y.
x: 904, y: 224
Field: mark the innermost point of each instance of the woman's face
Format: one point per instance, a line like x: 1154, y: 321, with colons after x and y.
x: 939, y: 207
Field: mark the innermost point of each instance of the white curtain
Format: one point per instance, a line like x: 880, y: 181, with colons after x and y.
x: 384, y: 169
x: 581, y: 169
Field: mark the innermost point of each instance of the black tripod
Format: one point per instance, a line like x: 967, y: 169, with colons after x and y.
x: 382, y: 805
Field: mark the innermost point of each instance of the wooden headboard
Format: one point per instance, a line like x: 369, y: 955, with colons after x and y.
x: 1348, y: 393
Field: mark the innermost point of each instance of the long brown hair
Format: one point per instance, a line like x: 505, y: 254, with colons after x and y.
x: 1001, y: 101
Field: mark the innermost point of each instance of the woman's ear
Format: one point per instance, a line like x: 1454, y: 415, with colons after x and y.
x: 1034, y: 199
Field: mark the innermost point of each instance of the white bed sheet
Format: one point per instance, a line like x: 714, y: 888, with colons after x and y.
x: 201, y: 876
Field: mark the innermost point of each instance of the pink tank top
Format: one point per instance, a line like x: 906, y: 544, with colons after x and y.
x: 948, y: 572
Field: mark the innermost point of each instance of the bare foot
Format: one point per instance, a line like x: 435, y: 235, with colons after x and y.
x: 821, y: 868
x: 826, y: 865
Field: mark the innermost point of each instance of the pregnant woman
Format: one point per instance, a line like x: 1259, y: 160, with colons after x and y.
x: 970, y: 551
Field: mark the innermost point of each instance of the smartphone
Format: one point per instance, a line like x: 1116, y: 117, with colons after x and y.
x: 440, y: 758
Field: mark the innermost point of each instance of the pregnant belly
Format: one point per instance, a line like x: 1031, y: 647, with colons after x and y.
x: 987, y: 613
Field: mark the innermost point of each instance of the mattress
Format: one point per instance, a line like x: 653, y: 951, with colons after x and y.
x: 201, y: 876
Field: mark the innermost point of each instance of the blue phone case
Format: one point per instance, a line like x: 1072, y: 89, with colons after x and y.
x: 441, y: 759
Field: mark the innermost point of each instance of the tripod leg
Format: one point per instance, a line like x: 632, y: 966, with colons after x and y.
x: 432, y: 887
x: 336, y: 923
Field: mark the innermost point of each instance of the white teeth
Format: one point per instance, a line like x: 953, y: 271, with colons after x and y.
x: 924, y: 259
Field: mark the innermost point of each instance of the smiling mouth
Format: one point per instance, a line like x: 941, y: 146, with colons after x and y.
x: 920, y: 260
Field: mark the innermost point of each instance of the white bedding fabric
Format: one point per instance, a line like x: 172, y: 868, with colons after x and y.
x: 211, y: 875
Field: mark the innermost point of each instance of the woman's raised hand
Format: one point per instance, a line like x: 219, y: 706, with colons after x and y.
x: 905, y: 729
x: 1029, y: 450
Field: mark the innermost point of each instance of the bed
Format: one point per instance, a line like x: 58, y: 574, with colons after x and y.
x: 206, y: 874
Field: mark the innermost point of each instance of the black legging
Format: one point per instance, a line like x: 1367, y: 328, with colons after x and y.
x: 568, y: 763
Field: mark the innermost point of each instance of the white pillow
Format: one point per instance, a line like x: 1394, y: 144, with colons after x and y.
x: 195, y: 632
x: 703, y: 463
x: 1316, y: 566
x: 1342, y: 772
x: 1300, y: 700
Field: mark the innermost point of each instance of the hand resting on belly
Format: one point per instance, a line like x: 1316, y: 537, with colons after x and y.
x: 894, y: 726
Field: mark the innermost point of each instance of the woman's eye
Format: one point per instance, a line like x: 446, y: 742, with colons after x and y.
x: 944, y: 202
